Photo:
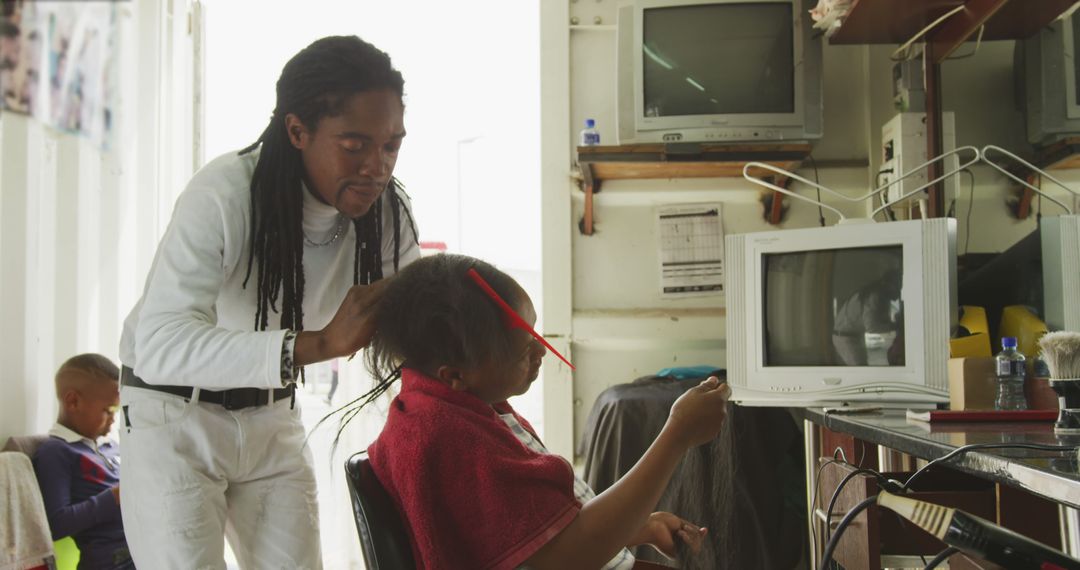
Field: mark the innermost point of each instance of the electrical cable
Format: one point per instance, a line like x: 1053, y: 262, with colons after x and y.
x: 820, y: 212
x: 839, y: 457
x: 882, y: 481
x: 906, y: 486
x: 941, y: 557
x: 843, y: 455
x: 896, y: 487
x: 978, y: 42
x: 882, y: 196
x: 971, y: 206
x: 877, y: 182
x: 826, y: 557
x: 901, y: 50
x: 814, y: 495
x: 1038, y: 213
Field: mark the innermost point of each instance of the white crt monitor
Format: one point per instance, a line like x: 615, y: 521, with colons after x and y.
x: 716, y: 71
x: 1061, y: 272
x: 854, y: 313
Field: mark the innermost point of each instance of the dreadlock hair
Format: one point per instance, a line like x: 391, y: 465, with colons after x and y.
x: 315, y: 83
x: 432, y: 314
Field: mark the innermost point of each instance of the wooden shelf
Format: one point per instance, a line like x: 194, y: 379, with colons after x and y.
x: 896, y: 21
x: 659, y: 161
x: 1061, y: 155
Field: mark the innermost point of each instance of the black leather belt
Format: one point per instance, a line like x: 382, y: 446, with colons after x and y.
x: 235, y: 399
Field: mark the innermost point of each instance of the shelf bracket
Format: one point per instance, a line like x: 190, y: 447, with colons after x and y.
x: 590, y: 185
x: 1021, y: 208
x: 776, y: 209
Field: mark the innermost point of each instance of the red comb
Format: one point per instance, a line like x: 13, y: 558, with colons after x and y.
x: 511, y: 314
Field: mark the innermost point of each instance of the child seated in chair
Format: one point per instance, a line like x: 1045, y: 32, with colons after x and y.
x: 78, y: 468
x: 475, y: 486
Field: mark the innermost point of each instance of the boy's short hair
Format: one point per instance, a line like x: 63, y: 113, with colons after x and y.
x: 90, y: 364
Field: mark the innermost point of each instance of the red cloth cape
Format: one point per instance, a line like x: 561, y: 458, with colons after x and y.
x: 471, y: 494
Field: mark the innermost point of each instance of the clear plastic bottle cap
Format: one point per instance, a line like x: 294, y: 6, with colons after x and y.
x: 1008, y: 342
x: 589, y: 123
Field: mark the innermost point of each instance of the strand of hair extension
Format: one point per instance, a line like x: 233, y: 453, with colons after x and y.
x: 408, y: 212
x: 375, y: 245
x: 395, y: 210
x: 367, y: 260
x: 364, y: 400
x: 356, y: 253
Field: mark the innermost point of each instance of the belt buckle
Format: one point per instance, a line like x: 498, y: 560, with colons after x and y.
x: 230, y: 400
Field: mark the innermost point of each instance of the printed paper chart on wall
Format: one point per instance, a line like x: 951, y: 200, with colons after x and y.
x: 691, y: 250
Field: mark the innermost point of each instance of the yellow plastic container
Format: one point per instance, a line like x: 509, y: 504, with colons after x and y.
x: 978, y: 343
x: 1020, y: 322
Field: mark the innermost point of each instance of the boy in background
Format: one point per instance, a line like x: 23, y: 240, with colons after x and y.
x: 78, y: 469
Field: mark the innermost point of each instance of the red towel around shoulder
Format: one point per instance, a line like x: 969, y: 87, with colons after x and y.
x: 472, y: 495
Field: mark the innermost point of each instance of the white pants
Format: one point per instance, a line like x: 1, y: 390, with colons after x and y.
x: 193, y: 473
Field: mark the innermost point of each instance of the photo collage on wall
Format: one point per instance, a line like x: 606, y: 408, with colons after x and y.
x: 58, y: 63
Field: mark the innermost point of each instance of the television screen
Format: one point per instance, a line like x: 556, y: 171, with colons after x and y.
x: 718, y: 59
x: 1074, y: 61
x: 835, y: 307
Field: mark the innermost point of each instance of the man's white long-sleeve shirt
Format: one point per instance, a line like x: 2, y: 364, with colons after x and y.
x: 194, y: 325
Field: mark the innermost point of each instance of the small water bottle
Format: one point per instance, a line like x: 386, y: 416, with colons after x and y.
x: 1010, y: 368
x: 589, y: 135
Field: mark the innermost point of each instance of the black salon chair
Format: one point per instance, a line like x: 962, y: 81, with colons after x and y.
x: 383, y: 537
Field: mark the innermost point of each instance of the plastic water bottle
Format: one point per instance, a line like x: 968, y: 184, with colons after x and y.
x: 589, y: 135
x: 1009, y: 364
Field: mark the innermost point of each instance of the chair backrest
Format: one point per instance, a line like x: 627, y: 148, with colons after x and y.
x: 383, y: 537
x: 27, y: 444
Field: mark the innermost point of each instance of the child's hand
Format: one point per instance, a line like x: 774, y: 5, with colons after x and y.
x: 697, y: 416
x: 664, y: 530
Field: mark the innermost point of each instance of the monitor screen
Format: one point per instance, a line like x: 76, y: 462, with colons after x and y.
x: 718, y: 59
x: 1075, y: 62
x: 839, y: 307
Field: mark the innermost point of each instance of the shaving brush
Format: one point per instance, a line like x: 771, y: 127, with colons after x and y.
x: 1061, y: 351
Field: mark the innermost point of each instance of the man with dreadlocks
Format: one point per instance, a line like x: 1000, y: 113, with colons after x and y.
x: 272, y: 261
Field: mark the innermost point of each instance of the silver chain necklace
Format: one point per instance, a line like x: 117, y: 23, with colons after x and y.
x: 333, y: 238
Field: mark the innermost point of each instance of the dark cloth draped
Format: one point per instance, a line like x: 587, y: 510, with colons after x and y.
x: 747, y: 486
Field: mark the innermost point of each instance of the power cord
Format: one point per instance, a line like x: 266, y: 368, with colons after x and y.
x: 826, y: 557
x: 971, y: 206
x: 897, y: 487
x: 820, y: 212
x: 978, y: 42
x: 941, y: 557
x: 882, y: 196
x: 974, y: 446
x: 885, y: 483
x: 902, y: 54
x: 839, y: 458
x: 814, y: 495
x: 1038, y: 212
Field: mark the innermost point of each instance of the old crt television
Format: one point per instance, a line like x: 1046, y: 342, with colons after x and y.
x: 715, y: 71
x: 1041, y: 271
x: 1048, y: 81
x: 1061, y: 272
x: 853, y: 313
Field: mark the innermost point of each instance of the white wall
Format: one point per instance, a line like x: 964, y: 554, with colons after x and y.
x: 79, y: 225
x: 620, y: 327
